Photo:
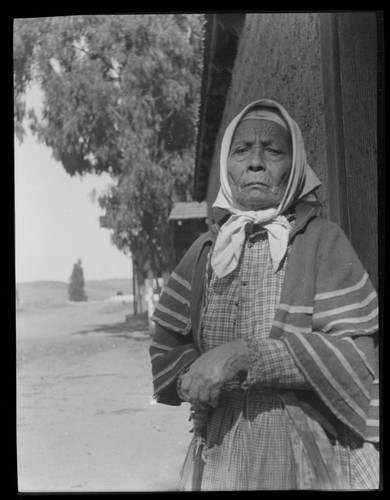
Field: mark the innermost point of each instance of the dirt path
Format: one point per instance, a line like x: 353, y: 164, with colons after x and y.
x: 85, y: 421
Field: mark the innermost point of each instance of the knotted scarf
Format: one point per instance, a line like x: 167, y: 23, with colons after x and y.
x: 301, y: 184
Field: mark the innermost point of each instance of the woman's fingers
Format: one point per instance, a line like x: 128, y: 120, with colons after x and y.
x: 203, y: 394
x: 201, y: 389
x: 207, y: 393
x: 214, y: 396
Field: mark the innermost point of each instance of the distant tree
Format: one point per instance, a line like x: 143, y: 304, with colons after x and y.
x: 76, y: 290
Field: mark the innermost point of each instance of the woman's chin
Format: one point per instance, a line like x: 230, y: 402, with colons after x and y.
x: 254, y: 203
x: 256, y: 198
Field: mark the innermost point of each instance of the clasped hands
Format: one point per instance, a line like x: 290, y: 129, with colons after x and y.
x: 203, y: 382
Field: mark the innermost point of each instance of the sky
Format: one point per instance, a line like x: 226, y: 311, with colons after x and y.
x: 56, y: 222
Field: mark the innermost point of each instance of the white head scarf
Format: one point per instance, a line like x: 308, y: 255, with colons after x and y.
x: 301, y: 183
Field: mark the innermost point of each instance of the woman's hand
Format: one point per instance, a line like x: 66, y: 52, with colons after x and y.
x: 207, y: 375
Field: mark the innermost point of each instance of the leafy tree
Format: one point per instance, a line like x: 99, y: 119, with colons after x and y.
x: 120, y: 95
x: 76, y: 291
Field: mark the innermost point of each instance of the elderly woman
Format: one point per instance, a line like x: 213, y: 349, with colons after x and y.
x: 267, y: 327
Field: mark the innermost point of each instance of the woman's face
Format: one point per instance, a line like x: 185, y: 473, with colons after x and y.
x: 259, y: 163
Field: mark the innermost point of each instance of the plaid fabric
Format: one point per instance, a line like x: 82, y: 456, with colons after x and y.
x: 359, y: 459
x: 238, y: 308
x: 249, y: 446
x: 327, y: 300
x: 232, y: 297
x: 249, y: 436
x: 272, y: 364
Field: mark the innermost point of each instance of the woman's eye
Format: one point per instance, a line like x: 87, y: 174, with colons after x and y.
x: 273, y: 151
x: 241, y: 150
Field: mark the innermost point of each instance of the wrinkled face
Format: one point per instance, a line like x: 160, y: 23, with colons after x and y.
x: 259, y: 163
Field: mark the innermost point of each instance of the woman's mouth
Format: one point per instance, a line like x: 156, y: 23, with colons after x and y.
x: 255, y: 184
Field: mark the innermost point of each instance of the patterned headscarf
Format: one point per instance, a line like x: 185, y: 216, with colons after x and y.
x: 301, y: 184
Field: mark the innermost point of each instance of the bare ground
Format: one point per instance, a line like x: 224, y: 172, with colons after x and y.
x: 85, y: 417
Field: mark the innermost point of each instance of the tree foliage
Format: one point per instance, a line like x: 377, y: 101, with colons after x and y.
x: 120, y: 95
x: 76, y: 291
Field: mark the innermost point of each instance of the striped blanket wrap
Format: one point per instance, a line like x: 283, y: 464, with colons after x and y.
x: 327, y: 317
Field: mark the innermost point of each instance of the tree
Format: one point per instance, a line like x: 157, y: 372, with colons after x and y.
x: 76, y: 291
x: 120, y: 95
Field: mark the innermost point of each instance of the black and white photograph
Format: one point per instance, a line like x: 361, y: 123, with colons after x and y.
x: 198, y: 251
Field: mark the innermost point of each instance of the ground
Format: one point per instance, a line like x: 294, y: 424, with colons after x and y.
x: 86, y: 420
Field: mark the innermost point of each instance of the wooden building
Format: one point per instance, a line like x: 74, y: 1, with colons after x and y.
x: 189, y: 220
x: 323, y: 68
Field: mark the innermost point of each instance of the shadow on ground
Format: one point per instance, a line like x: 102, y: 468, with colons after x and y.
x: 135, y: 327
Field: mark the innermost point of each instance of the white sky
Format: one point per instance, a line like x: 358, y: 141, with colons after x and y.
x: 56, y: 223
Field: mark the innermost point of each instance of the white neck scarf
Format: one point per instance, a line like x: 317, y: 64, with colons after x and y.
x: 228, y: 247
x: 301, y: 183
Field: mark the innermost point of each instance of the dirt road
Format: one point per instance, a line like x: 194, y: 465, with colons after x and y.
x: 85, y: 418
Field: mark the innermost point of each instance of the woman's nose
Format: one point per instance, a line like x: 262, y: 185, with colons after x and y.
x: 256, y: 160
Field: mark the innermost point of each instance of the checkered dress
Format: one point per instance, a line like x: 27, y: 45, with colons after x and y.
x: 249, y: 435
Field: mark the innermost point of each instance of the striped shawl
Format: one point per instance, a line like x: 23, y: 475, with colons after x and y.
x: 327, y: 317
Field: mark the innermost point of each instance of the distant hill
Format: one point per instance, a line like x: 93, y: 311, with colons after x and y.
x: 101, y: 289
x: 53, y: 292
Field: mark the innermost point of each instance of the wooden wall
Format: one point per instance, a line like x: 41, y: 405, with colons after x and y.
x: 279, y: 57
x: 185, y: 233
x: 323, y: 68
x: 349, y: 66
